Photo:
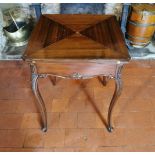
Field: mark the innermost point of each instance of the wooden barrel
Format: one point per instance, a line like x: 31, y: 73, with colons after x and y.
x: 141, y: 24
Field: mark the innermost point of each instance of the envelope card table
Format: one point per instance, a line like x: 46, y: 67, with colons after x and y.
x: 76, y: 47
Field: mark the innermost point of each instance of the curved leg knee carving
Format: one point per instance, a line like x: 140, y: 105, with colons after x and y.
x: 53, y: 80
x: 105, y: 80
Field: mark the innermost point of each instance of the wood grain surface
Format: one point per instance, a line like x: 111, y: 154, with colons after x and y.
x: 76, y: 37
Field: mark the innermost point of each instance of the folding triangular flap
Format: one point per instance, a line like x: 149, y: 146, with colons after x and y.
x: 77, y: 36
x: 76, y: 41
x: 47, y: 32
x: 56, y: 32
x: 99, y: 33
x: 77, y: 22
x: 107, y: 34
x: 75, y: 46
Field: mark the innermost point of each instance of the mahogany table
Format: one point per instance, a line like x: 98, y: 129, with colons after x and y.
x: 76, y: 47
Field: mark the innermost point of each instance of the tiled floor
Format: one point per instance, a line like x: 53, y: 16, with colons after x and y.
x: 77, y: 112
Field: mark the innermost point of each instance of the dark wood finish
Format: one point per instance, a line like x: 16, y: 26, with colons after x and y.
x: 86, y: 69
x: 117, y: 93
x: 105, y: 80
x: 76, y: 47
x: 100, y: 38
x: 53, y: 80
x: 36, y: 92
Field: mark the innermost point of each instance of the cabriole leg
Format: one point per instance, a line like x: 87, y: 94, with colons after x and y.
x: 117, y: 92
x: 37, y: 94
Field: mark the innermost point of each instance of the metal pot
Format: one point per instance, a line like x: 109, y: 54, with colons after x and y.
x: 18, y: 37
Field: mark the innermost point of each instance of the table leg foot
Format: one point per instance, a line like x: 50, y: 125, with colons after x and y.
x: 44, y: 129
x: 117, y: 92
x: 110, y: 129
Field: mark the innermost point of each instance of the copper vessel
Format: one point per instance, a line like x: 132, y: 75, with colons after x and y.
x: 141, y: 25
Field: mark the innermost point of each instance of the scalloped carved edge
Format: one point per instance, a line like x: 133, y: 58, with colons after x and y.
x: 75, y: 75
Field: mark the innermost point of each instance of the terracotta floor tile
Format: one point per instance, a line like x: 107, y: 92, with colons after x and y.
x: 141, y: 148
x: 116, y: 138
x: 93, y: 105
x: 140, y: 136
x: 131, y: 92
x: 34, y: 138
x: 102, y: 93
x: 63, y: 149
x: 110, y: 149
x: 141, y: 105
x: 11, y: 64
x: 97, y: 105
x: 21, y: 149
x: 88, y: 105
x: 72, y: 91
x: 60, y: 105
x: 96, y: 138
x: 68, y: 120
x: 54, y: 138
x: 94, y: 82
x: 85, y: 149
x: 15, y: 138
x: 76, y: 138
x: 97, y: 82
x: 136, y: 81
x: 86, y: 120
x: 77, y: 105
x: 83, y: 93
x: 18, y: 73
x: 138, y: 71
x: 48, y: 90
x: 151, y: 83
x: 11, y: 82
x: 84, y: 138
x: 31, y: 120
x: 101, y: 120
x: 53, y: 120
x: 3, y: 141
x: 8, y: 106
x: 64, y: 83
x: 10, y: 121
x: 145, y: 95
x: 12, y: 138
x: 16, y: 94
x: 153, y: 118
x: 133, y: 105
x: 134, y: 120
x: 24, y: 106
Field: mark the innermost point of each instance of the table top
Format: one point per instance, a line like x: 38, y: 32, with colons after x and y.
x: 77, y: 37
